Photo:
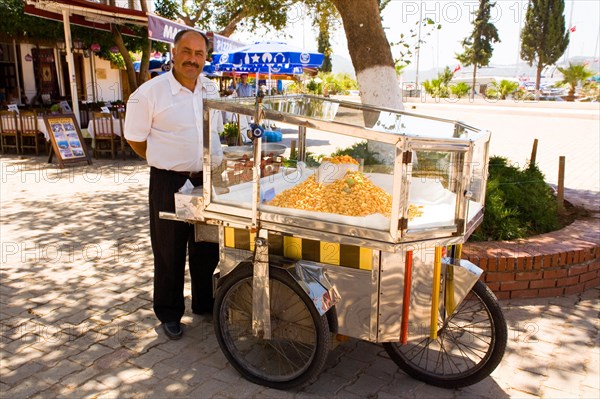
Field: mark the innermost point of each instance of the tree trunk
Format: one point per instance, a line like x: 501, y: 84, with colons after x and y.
x: 146, y: 50
x: 474, y: 81
x: 571, y: 93
x: 133, y: 84
x: 372, y: 59
x: 538, y: 76
x: 370, y: 52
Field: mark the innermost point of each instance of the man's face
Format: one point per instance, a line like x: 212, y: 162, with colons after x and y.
x: 189, y: 55
x: 244, y: 79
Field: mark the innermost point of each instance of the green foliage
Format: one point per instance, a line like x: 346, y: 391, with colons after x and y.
x: 446, y: 76
x: 313, y: 87
x: 590, y: 91
x: 502, y: 90
x: 523, y: 95
x: 544, y: 37
x: 224, y: 16
x: 459, y: 90
x: 439, y: 88
x: 311, y: 161
x: 359, y: 151
x: 326, y: 19
x: 518, y: 203
x: 16, y: 25
x: 337, y: 83
x: 478, y: 46
x: 411, y: 42
x: 436, y: 88
x: 572, y: 75
x: 230, y: 129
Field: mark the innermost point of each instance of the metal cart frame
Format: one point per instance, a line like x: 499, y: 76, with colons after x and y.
x: 404, y: 286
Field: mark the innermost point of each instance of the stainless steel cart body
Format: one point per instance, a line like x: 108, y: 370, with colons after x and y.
x: 390, y: 276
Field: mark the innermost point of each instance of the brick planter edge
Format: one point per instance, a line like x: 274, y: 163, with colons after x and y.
x: 562, y: 262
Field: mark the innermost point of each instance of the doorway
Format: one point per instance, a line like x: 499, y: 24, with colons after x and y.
x: 79, y: 75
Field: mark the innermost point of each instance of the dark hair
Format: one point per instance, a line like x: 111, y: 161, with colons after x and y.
x: 182, y: 32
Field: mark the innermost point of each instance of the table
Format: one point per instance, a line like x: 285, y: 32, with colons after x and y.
x: 116, y: 127
x: 41, y: 126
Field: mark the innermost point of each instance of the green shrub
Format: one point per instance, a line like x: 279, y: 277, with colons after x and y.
x: 460, y: 89
x: 502, y: 90
x: 518, y: 203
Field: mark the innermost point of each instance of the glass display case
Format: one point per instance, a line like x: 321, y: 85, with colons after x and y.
x: 354, y: 216
x: 351, y: 170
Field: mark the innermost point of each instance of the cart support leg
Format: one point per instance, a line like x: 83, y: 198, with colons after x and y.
x: 406, y: 299
x: 449, y: 280
x: 261, y: 311
x: 435, y: 294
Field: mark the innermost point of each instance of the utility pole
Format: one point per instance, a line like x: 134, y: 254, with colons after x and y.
x: 419, y: 49
x: 566, y: 59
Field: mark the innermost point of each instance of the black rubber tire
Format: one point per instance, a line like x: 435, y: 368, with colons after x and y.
x: 477, y: 357
x: 295, y: 354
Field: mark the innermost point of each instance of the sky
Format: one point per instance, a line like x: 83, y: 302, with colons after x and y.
x: 455, y: 17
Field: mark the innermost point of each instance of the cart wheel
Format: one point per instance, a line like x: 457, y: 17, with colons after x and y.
x: 468, y: 347
x: 300, y: 337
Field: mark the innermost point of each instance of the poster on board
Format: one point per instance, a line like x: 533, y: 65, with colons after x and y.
x: 66, y: 139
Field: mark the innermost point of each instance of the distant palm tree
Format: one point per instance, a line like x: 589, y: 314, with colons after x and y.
x: 502, y: 89
x: 572, y: 76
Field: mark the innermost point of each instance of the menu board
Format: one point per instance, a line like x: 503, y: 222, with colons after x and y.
x: 67, y: 141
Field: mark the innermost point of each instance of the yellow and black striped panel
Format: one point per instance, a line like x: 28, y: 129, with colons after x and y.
x: 302, y: 248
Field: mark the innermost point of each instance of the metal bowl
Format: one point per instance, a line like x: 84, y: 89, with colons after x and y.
x: 237, y: 152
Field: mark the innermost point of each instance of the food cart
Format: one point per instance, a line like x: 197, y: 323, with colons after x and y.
x: 351, y: 226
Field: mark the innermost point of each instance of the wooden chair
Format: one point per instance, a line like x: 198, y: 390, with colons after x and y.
x: 9, y: 131
x: 125, y: 147
x: 30, y: 133
x: 106, y: 141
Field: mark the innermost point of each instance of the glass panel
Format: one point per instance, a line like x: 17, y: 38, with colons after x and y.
x: 433, y: 188
x: 339, y: 180
x: 478, y: 179
x: 371, y: 119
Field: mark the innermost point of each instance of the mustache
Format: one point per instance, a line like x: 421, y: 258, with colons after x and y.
x: 190, y: 63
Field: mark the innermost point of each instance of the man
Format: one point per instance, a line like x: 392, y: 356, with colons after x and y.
x: 164, y: 125
x: 243, y: 89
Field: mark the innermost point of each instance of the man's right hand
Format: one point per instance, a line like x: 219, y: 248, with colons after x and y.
x: 139, y: 147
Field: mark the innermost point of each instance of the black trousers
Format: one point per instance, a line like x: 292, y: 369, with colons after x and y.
x: 171, y: 241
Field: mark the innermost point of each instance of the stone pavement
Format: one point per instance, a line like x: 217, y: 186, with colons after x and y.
x: 76, y: 318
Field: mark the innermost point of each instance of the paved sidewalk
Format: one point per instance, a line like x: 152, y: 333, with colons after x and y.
x: 76, y: 318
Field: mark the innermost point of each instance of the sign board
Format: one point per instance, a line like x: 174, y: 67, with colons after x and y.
x: 14, y: 108
x: 222, y: 44
x: 65, y: 107
x: 164, y: 30
x: 66, y: 139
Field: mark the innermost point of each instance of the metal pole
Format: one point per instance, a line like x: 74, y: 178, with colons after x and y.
x: 71, y: 64
x: 569, y: 27
x: 93, y: 74
x: 418, y: 48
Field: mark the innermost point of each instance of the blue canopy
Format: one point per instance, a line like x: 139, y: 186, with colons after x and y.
x: 262, y: 69
x: 276, y: 56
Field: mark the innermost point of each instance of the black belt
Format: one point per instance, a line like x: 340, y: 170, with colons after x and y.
x: 191, y: 175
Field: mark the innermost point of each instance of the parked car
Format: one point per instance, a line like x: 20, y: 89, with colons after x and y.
x: 156, y: 66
